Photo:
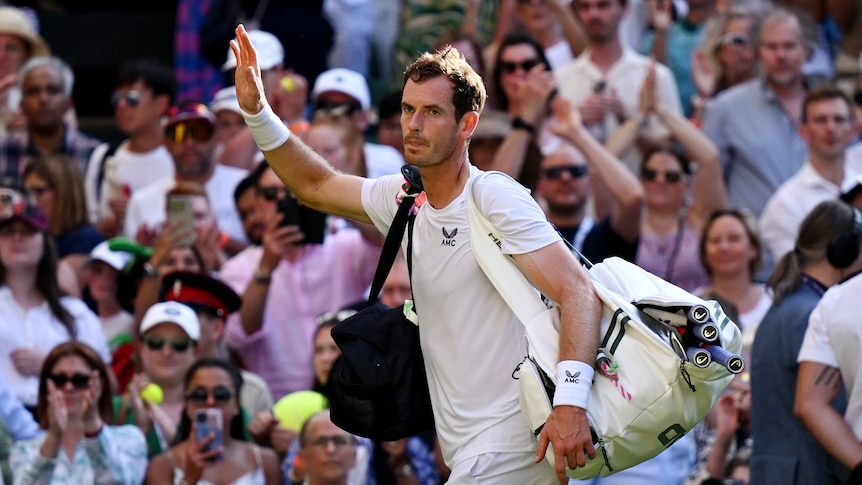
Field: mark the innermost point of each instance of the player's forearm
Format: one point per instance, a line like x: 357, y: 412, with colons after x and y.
x: 580, y: 315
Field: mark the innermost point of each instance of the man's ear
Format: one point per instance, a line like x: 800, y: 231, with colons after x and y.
x: 218, y: 326
x: 469, y: 122
x: 163, y: 101
x: 803, y: 131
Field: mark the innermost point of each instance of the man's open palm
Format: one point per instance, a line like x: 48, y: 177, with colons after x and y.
x: 249, y: 85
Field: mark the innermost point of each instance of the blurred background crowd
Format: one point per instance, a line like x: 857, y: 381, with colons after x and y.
x: 152, y: 264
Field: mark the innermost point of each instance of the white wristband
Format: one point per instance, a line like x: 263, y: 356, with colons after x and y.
x: 574, y: 379
x: 267, y: 129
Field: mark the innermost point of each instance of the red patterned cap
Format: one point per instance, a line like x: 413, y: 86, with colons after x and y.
x: 24, y: 212
x: 188, y: 112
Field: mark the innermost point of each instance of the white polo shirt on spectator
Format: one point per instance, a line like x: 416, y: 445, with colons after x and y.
x: 578, y: 79
x: 788, y: 206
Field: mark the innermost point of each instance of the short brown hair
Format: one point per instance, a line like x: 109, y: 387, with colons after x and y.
x: 825, y: 93
x: 468, y: 93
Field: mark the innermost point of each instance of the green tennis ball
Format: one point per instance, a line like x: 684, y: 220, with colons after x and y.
x: 153, y: 394
x: 294, y: 409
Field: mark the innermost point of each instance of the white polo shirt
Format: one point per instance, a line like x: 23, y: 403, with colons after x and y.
x: 577, y: 79
x: 783, y: 214
x: 834, y: 338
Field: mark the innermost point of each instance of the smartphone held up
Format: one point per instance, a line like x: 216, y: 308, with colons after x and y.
x: 209, y: 422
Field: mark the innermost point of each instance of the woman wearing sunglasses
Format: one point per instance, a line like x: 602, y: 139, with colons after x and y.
x: 521, y: 85
x: 725, y: 57
x: 168, y: 348
x: 78, y: 446
x: 225, y: 458
x: 670, y: 228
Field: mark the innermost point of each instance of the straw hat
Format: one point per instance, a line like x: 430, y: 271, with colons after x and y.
x: 13, y: 21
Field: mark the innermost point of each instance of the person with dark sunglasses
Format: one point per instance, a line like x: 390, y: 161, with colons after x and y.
x: 212, y: 384
x: 677, y: 202
x: 578, y: 169
x: 169, y: 335
x: 78, y: 445
x: 188, y: 134
x: 144, y: 91
x: 522, y: 85
x: 213, y: 301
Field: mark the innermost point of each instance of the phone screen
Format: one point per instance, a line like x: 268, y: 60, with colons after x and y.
x: 289, y: 209
x: 312, y: 223
x: 209, y: 421
x: 180, y: 210
x: 8, y: 198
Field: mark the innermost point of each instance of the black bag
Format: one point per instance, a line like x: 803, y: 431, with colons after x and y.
x: 379, y: 389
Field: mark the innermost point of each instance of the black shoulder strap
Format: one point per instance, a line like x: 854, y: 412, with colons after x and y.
x: 393, y: 241
x: 112, y: 148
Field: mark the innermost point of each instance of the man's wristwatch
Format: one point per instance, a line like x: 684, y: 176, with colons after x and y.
x: 520, y: 124
x: 260, y: 277
x: 150, y: 271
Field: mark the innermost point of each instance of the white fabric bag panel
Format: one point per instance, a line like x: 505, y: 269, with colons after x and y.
x: 653, y: 397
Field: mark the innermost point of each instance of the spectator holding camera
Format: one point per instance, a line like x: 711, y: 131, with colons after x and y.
x: 285, y: 283
x: 210, y: 445
x: 78, y: 446
x: 189, y: 137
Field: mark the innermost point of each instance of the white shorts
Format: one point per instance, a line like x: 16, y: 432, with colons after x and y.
x: 503, y: 469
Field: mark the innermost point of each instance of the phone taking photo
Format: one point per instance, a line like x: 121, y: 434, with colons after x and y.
x: 312, y: 223
x: 209, y: 421
x: 180, y: 210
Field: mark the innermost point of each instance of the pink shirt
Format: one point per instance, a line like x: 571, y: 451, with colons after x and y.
x: 324, y: 278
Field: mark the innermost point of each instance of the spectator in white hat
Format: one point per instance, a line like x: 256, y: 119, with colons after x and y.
x: 287, y: 90
x: 169, y: 334
x: 101, y: 276
x: 270, y: 55
x: 229, y: 120
x: 19, y: 41
x: 343, y: 91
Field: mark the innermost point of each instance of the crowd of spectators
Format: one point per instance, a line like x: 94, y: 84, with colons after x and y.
x: 712, y: 142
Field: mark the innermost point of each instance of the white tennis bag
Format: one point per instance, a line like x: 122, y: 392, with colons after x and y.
x: 647, y: 391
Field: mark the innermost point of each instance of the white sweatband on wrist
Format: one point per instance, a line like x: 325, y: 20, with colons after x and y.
x: 574, y: 379
x: 267, y: 129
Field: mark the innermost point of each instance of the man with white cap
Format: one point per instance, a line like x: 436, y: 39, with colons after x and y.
x: 341, y: 90
x: 287, y: 89
x: 270, y: 54
x: 229, y: 120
